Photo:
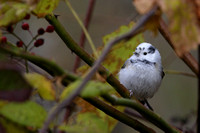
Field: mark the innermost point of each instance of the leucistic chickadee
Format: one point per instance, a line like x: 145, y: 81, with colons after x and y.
x: 142, y: 73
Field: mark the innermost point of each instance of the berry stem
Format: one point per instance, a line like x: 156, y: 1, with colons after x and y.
x: 30, y: 33
x: 34, y: 38
x: 31, y: 48
x: 25, y: 48
x: 15, y: 35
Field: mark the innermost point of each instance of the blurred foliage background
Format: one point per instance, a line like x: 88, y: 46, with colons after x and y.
x: 177, y: 95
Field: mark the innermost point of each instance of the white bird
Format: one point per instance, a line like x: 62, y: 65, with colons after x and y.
x: 142, y: 73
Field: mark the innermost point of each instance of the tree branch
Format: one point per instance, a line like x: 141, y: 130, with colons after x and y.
x: 122, y: 117
x: 73, y: 46
x: 198, y: 113
x: 57, y: 71
x: 187, y: 57
x: 82, y: 38
x: 49, y: 66
x: 148, y: 114
x: 58, y: 28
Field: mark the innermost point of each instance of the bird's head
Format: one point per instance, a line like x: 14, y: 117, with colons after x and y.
x: 146, y: 51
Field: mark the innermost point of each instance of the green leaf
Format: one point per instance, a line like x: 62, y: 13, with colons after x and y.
x: 121, y: 51
x: 115, y: 59
x: 12, y: 12
x: 43, y: 85
x: 45, y: 7
x: 13, y: 86
x: 87, y: 123
x: 27, y: 113
x: 92, y: 89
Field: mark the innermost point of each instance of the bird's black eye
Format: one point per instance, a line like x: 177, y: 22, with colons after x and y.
x: 145, y: 53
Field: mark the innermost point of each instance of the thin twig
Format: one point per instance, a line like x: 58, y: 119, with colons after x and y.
x: 34, y: 38
x: 82, y: 38
x: 69, y: 99
x: 187, y: 57
x: 15, y: 35
x: 25, y: 48
x: 180, y: 73
x: 198, y: 113
x: 83, y: 28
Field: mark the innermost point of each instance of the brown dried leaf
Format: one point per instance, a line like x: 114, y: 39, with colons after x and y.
x: 183, y: 24
x: 183, y: 17
x: 144, y: 6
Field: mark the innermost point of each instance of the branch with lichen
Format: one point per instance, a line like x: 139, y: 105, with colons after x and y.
x: 57, y: 71
x: 90, y: 61
x: 146, y: 113
x: 74, y: 47
x: 66, y: 102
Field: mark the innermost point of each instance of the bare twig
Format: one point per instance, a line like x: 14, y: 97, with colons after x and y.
x: 83, y: 28
x: 180, y: 73
x: 136, y: 29
x: 187, y: 57
x: 198, y: 114
x: 82, y: 38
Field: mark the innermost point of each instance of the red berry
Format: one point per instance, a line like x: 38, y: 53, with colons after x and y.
x: 3, y: 39
x: 19, y: 43
x: 9, y: 29
x: 39, y: 42
x: 27, y: 16
x: 50, y: 29
x: 41, y: 31
x: 25, y: 26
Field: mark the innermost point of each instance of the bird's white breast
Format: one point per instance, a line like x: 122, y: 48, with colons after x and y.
x: 143, y: 79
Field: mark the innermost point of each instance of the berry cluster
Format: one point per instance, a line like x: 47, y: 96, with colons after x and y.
x: 25, y: 26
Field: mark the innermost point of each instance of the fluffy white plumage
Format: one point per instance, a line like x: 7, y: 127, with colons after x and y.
x: 142, y: 73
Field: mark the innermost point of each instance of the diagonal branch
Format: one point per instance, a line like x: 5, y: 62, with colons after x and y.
x: 187, y: 57
x: 148, y: 114
x: 66, y: 102
x: 122, y: 117
x: 74, y: 47
x: 57, y: 71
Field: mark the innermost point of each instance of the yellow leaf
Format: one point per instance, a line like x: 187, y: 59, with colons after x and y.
x: 92, y: 89
x: 45, y: 7
x: 42, y: 84
x: 120, y: 52
x: 12, y: 12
